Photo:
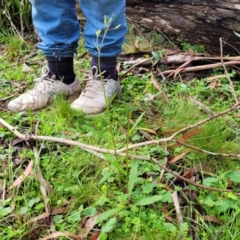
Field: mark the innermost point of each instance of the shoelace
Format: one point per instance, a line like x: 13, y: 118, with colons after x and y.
x: 43, y: 82
x: 94, y: 85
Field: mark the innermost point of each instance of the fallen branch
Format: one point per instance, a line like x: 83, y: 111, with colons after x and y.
x: 179, y: 58
x: 203, y: 67
x: 115, y: 152
x: 96, y: 150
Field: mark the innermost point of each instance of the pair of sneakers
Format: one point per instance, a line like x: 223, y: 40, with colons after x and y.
x: 93, y: 99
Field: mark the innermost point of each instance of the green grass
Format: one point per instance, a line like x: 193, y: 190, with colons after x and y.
x: 134, y: 202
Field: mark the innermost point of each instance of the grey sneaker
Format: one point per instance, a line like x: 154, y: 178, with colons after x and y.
x: 42, y: 93
x: 97, y: 94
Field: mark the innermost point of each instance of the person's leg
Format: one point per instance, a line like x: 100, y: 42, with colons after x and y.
x: 57, y: 26
x: 104, y: 35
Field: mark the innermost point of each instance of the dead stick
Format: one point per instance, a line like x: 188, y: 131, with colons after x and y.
x: 187, y: 180
x: 204, y: 67
x: 177, y: 208
x: 70, y: 142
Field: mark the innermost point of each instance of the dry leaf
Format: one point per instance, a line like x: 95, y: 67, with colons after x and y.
x: 179, y: 157
x: 146, y: 135
x: 88, y: 226
x: 21, y: 178
x: 57, y: 211
x: 212, y: 219
x: 166, y: 187
x: 214, y: 84
x: 40, y: 217
x: 123, y: 129
x: 95, y: 236
x: 137, y: 45
x: 166, y: 213
x: 155, y: 82
x: 188, y: 135
x: 62, y: 234
x: 158, y: 87
x: 210, y: 79
x: 16, y: 141
x: 147, y: 130
x: 192, y: 171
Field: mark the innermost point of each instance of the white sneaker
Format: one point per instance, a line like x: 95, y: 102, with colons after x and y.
x: 42, y: 93
x: 97, y: 94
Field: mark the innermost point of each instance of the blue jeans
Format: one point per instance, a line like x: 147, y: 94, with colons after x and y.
x: 57, y: 26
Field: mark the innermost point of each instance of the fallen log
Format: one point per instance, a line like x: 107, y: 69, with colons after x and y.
x: 201, y: 22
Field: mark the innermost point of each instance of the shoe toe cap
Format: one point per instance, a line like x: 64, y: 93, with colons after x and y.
x: 91, y: 107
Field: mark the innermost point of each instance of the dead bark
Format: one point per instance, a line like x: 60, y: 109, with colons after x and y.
x: 199, y: 21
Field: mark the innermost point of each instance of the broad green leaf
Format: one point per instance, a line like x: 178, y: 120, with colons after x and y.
x: 234, y: 176
x: 58, y: 219
x: 90, y: 211
x: 132, y: 177
x: 149, y: 200
x: 223, y: 205
x: 104, y: 216
x: 166, y: 197
x: 33, y: 201
x: 170, y: 227
x: 105, y: 177
x: 208, y: 181
x: 23, y: 210
x: 209, y: 202
x: 75, y: 216
x: 232, y: 196
x: 156, y: 55
x: 148, y: 187
x: 108, y: 226
x: 5, y: 211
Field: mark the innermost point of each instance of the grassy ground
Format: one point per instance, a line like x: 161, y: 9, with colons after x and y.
x: 72, y: 193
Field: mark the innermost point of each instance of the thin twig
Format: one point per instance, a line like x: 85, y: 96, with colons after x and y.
x: 201, y: 106
x: 8, y: 97
x: 208, y: 152
x: 137, y: 64
x: 224, y: 64
x: 165, y: 164
x: 189, y: 181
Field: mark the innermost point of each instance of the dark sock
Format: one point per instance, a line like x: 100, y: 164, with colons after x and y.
x: 107, y: 66
x: 62, y: 68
